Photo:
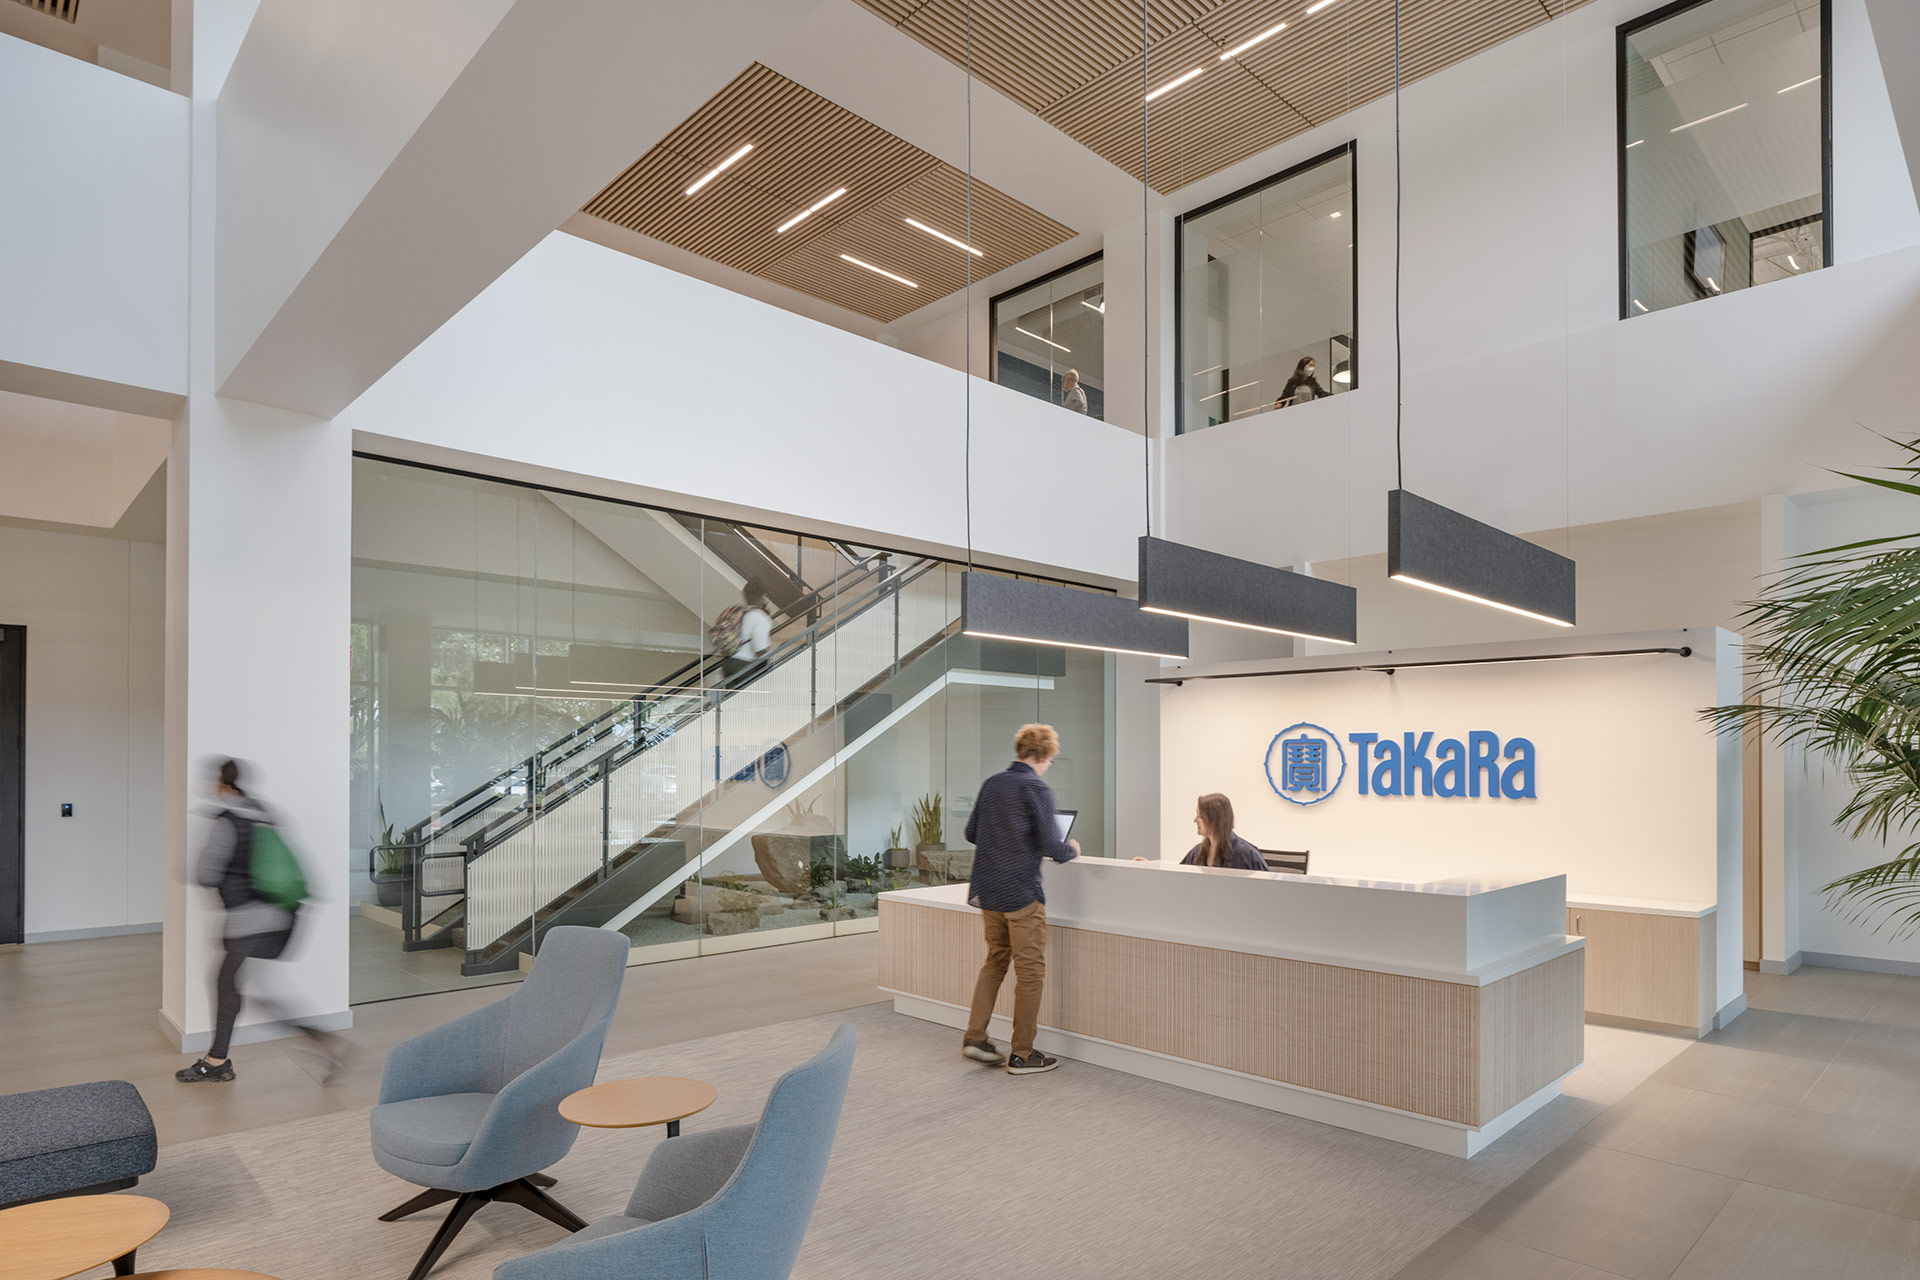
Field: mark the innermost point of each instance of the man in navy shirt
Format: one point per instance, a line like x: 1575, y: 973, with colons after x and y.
x: 1012, y: 827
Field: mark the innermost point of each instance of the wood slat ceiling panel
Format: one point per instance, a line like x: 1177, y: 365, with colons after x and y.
x: 1039, y: 51
x: 1005, y: 231
x: 804, y: 147
x: 1076, y: 63
x: 1223, y: 116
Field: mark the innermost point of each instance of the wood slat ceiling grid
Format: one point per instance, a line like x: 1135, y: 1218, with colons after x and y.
x: 1194, y: 129
x: 805, y: 146
x: 1006, y: 232
x: 1077, y: 64
x: 1037, y: 53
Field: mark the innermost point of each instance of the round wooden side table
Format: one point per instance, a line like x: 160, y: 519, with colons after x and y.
x: 54, y: 1239
x: 636, y: 1103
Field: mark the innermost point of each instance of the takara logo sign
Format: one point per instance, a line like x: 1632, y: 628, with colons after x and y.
x: 1306, y: 764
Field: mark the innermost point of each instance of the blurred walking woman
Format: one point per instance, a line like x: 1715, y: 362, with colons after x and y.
x: 1219, y: 846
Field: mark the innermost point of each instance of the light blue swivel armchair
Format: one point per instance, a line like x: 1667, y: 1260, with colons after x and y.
x: 470, y: 1110
x: 724, y: 1204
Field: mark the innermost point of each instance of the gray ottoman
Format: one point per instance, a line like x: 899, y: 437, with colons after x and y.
x: 74, y: 1139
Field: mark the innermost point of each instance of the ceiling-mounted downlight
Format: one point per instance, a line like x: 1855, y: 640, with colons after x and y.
x: 1041, y: 613
x: 1431, y: 546
x: 1186, y: 582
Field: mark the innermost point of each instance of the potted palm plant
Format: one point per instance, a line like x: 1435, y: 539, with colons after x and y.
x: 1836, y: 650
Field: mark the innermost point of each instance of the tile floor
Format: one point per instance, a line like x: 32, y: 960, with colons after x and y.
x: 1786, y: 1146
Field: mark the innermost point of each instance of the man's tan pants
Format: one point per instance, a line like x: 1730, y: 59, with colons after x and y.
x: 1020, y: 937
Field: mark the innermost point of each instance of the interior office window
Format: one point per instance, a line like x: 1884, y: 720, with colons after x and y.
x: 1724, y: 149
x: 1049, y: 338
x: 1266, y: 295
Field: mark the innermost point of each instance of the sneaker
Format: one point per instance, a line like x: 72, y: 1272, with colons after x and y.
x: 201, y: 1073
x: 1031, y: 1065
x: 984, y: 1051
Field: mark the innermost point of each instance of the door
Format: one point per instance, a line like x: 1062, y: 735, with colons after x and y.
x: 13, y: 784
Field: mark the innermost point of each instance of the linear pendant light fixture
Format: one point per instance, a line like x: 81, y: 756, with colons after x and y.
x: 1000, y: 608
x: 1432, y: 546
x: 1045, y: 613
x: 1186, y: 582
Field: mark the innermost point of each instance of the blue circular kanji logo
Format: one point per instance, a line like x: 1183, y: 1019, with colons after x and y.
x: 1307, y: 767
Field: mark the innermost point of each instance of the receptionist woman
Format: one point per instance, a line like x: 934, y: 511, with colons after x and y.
x: 1219, y: 847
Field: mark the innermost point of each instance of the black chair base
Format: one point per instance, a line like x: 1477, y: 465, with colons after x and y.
x: 527, y: 1192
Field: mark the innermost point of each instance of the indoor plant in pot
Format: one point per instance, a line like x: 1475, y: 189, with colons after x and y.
x: 388, y: 869
x: 898, y: 856
x: 930, y: 835
x: 1836, y: 656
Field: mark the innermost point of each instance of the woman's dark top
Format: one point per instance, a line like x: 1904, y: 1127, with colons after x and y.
x: 1297, y: 381
x: 1239, y: 854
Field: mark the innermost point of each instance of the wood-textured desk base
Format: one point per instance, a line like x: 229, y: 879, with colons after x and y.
x: 1440, y: 1065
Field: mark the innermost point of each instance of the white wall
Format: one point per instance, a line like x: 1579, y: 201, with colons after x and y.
x: 95, y: 220
x: 93, y: 609
x: 637, y: 382
x: 1637, y: 798
x: 1527, y: 402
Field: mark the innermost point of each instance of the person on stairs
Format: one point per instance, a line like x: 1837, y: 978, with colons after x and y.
x: 260, y: 884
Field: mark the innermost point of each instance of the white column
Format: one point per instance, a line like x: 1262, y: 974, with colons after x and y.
x: 1779, y: 856
x: 259, y: 521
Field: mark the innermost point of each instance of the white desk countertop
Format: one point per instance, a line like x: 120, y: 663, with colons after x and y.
x: 1472, y: 930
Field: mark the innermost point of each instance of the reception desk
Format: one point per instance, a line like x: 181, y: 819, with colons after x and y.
x: 1438, y: 1014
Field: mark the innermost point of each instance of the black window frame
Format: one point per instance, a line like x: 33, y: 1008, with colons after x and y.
x: 1654, y: 16
x: 1351, y: 149
x: 993, y: 308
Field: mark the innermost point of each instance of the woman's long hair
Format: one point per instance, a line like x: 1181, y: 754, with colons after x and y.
x: 1218, y: 811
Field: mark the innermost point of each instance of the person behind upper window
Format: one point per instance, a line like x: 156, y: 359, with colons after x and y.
x: 1073, y: 396
x: 1302, y: 386
x: 1219, y: 846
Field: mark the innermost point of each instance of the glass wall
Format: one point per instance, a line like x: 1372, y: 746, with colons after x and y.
x: 703, y: 734
x: 1266, y: 311
x: 1049, y: 338
x: 1723, y: 130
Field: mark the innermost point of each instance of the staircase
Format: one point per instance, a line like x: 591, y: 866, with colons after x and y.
x: 609, y: 820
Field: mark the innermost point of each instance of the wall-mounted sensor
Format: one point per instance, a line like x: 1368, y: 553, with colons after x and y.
x: 66, y: 811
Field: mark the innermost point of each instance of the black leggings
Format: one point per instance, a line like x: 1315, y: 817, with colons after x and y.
x: 227, y: 986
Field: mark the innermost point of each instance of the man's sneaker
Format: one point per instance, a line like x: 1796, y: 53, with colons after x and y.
x: 1031, y: 1065
x: 983, y: 1051
x: 201, y: 1073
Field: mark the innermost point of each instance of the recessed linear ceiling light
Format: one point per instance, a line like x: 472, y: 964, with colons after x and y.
x: 941, y: 235
x: 1431, y: 546
x: 1239, y: 49
x: 1174, y: 84
x: 719, y: 169
x: 1317, y: 6
x: 1643, y: 306
x: 1636, y: 142
x: 1803, y: 84
x: 879, y: 271
x: 1037, y: 338
x: 1792, y: 263
x: 1712, y: 285
x: 1102, y: 308
x: 997, y: 608
x: 809, y: 211
x: 1715, y: 116
x: 1204, y: 586
x: 1209, y: 369
x: 1216, y: 395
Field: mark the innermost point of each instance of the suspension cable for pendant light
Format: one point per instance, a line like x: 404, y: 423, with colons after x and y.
x: 1432, y: 546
